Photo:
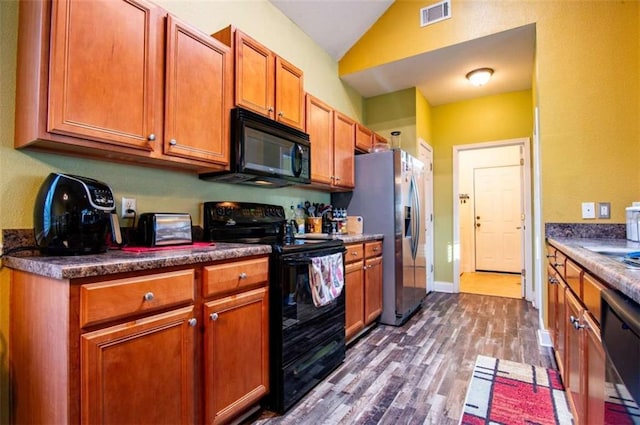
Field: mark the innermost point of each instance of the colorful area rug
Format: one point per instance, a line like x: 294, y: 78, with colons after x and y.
x: 506, y: 392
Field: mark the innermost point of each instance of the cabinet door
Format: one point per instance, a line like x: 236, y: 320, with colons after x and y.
x: 140, y: 371
x: 552, y: 304
x: 236, y: 359
x: 289, y: 94
x: 343, y: 151
x: 104, y: 77
x: 574, y: 365
x: 319, y: 126
x: 354, y: 304
x: 561, y: 327
x: 594, y: 375
x: 372, y: 289
x: 364, y: 138
x: 255, y: 75
x: 199, y: 84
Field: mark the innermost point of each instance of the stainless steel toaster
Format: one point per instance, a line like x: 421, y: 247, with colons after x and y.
x: 161, y: 229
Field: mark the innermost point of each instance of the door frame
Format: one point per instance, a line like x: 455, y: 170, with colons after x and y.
x: 529, y: 287
x: 428, y: 219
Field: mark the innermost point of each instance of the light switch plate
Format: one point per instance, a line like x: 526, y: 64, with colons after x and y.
x: 588, y: 210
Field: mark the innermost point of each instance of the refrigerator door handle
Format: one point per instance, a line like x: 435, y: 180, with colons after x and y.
x: 414, y: 217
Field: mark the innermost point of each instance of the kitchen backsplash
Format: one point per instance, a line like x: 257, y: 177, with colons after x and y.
x: 585, y: 230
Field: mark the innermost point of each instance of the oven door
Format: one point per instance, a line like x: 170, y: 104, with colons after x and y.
x: 303, y: 325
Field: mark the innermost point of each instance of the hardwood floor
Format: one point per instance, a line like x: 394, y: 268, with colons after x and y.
x: 418, y: 373
x: 487, y: 283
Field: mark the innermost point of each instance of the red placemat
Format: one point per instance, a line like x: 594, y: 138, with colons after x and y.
x: 166, y: 248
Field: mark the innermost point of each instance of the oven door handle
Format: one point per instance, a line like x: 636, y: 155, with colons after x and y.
x: 297, y: 262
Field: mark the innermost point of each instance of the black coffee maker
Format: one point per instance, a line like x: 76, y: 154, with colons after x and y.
x: 73, y: 215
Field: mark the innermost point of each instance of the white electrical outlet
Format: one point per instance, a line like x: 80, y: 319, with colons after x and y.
x: 128, y: 204
x: 604, y: 210
x: 588, y: 210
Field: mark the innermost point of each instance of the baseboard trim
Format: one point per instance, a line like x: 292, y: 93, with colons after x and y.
x: 544, y: 338
x: 440, y: 286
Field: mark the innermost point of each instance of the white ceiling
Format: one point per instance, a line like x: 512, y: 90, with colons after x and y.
x: 439, y: 75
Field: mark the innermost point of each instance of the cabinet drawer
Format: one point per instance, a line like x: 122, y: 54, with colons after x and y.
x: 591, y: 290
x: 119, y: 298
x: 229, y: 277
x: 354, y: 252
x: 373, y: 249
x: 573, y: 277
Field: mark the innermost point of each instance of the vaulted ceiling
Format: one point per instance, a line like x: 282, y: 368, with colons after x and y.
x: 439, y: 75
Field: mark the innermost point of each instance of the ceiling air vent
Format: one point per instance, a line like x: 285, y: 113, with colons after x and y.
x: 435, y: 13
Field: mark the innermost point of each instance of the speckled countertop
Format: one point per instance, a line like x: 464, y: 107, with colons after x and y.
x: 116, y: 261
x: 625, y: 279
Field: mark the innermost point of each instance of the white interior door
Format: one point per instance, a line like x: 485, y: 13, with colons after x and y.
x: 498, y: 219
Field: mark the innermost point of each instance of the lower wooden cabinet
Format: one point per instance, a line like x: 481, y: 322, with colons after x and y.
x: 175, y: 346
x: 140, y: 372
x: 363, y: 281
x: 372, y: 289
x: 236, y: 335
x: 573, y: 319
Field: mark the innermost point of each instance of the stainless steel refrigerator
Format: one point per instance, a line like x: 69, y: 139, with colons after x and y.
x: 389, y: 195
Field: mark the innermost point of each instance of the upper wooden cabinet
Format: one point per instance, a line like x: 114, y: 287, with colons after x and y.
x: 103, y: 94
x: 319, y: 126
x: 103, y: 84
x: 343, y: 151
x: 199, y: 94
x: 364, y: 138
x: 265, y: 82
x: 332, y: 145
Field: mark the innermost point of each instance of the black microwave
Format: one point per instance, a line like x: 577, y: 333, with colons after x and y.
x: 265, y: 153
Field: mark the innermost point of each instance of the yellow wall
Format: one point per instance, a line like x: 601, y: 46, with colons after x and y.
x: 22, y: 172
x: 393, y: 112
x: 491, y: 118
x: 587, y: 90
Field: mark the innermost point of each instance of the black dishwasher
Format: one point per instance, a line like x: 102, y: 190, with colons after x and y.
x: 620, y: 332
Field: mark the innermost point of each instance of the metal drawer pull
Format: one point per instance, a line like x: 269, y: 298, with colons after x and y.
x: 214, y: 316
x: 193, y: 322
x: 553, y: 280
x: 243, y: 275
x: 149, y: 296
x: 572, y: 319
x: 152, y: 137
x: 558, y: 265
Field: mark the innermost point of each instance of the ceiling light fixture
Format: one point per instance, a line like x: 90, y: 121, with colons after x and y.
x: 480, y: 77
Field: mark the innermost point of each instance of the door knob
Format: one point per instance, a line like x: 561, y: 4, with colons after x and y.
x: 477, y: 224
x: 477, y: 217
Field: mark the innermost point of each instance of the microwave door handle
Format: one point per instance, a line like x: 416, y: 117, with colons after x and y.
x: 296, y: 160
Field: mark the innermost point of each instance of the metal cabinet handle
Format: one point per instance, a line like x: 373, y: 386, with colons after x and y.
x: 243, y: 275
x: 552, y: 280
x: 173, y: 142
x: 337, y: 179
x: 149, y: 296
x: 151, y: 137
x: 551, y: 255
x: 375, y: 249
x: 193, y: 322
x: 214, y: 316
x: 281, y: 114
x: 270, y: 109
x: 354, y: 253
x: 558, y: 265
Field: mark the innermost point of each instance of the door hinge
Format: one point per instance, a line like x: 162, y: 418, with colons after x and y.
x: 432, y: 268
x: 523, y: 273
x: 521, y: 161
x: 431, y: 166
x: 431, y: 217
